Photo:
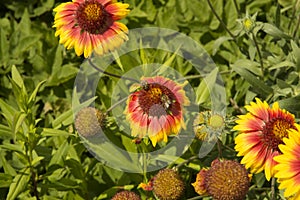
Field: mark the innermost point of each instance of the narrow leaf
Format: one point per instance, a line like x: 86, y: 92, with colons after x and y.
x: 257, y: 84
x: 19, y: 184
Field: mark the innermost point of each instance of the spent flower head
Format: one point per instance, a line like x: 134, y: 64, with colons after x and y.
x: 168, y: 185
x: 126, y: 195
x: 225, y: 179
x: 89, y: 121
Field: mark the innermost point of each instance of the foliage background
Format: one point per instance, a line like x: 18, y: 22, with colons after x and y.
x: 41, y: 155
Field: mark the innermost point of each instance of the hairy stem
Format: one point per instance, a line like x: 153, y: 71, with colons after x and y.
x: 220, y: 20
x: 116, y: 104
x: 187, y: 161
x: 237, y: 8
x: 273, y: 196
x: 111, y: 74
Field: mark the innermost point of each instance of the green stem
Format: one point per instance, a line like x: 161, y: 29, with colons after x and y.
x: 195, y: 198
x: 111, y: 74
x: 219, y: 148
x: 259, y: 54
x: 116, y: 104
x: 220, y: 20
x: 200, y: 76
x: 273, y: 196
x: 187, y: 161
x: 32, y: 170
x: 142, y: 148
x: 237, y: 8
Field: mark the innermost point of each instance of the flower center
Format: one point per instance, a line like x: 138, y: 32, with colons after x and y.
x: 274, y: 132
x: 227, y: 180
x: 156, y: 100
x: 92, y: 17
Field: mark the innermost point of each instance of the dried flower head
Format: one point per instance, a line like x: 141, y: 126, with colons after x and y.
x: 89, y: 121
x: 168, y: 185
x: 126, y: 195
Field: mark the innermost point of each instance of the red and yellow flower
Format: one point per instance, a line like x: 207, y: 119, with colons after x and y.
x: 261, y: 130
x: 288, y: 167
x: 89, y: 25
x: 155, y: 109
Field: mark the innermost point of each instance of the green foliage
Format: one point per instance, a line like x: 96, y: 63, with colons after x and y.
x: 41, y: 153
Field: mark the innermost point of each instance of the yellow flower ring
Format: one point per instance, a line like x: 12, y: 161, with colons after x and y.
x: 91, y: 25
x: 261, y: 131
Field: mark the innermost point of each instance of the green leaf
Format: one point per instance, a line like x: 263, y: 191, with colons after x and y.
x: 63, y: 119
x: 32, y: 97
x: 296, y: 53
x: 57, y: 175
x: 19, y: 184
x: 274, y: 31
x: 62, y: 75
x: 8, y: 169
x: 282, y: 64
x: 218, y: 42
x: 36, y: 161
x: 5, y: 180
x: 206, y: 86
x: 16, y: 77
x: 26, y: 42
x: 17, y: 122
x: 76, y: 168
x: 4, y: 46
x: 67, y: 117
x: 13, y: 147
x: 25, y: 24
x: 259, y: 179
x: 117, y: 60
x: 47, y: 5
x: 256, y: 83
x: 49, y: 132
x: 60, y: 154
x: 5, y: 132
x: 291, y: 104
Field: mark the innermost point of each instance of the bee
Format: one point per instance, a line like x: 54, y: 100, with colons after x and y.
x: 166, y: 101
x: 145, y: 85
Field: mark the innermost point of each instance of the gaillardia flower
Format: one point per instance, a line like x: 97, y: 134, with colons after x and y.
x: 226, y: 179
x: 261, y: 130
x: 288, y: 167
x: 155, y: 109
x: 168, y: 185
x: 89, y: 25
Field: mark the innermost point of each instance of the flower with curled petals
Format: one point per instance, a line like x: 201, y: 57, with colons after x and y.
x: 89, y: 25
x: 261, y: 130
x: 155, y: 109
x: 288, y: 167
